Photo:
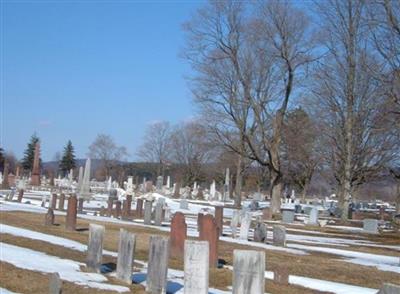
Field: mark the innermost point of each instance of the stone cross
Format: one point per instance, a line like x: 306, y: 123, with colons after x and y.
x: 55, y: 284
x: 196, y: 267
x: 156, y: 280
x: 95, y: 247
x: 178, y: 234
x: 126, y: 249
x: 248, y: 272
x: 49, y: 217
x: 279, y: 235
x: 260, y: 232
x: 219, y: 218
x: 148, y: 206
x: 70, y: 223
x: 61, y: 202
x: 208, y: 231
x: 245, y: 226
x: 158, y: 215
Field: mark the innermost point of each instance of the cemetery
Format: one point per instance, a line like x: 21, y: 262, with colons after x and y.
x: 200, y: 147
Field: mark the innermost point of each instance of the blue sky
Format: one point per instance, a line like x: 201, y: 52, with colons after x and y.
x: 71, y: 70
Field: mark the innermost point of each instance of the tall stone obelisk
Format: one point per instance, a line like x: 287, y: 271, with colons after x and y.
x: 35, y: 178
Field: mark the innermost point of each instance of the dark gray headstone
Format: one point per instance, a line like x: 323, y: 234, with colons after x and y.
x: 260, y: 232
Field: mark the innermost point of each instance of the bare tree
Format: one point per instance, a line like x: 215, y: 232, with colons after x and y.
x: 190, y: 149
x: 157, y: 145
x: 246, y: 66
x: 359, y: 143
x: 105, y: 149
x: 302, y: 149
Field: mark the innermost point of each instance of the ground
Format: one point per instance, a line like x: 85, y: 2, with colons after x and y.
x: 346, y: 258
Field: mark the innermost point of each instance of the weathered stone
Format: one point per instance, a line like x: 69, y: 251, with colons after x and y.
x: 35, y: 177
x: 129, y: 204
x: 245, y: 226
x: 148, y: 207
x: 158, y: 217
x: 49, y: 217
x: 281, y: 275
x: 53, y: 203
x: 110, y: 203
x: 139, y: 207
x: 370, y: 226
x: 234, y: 222
x: 196, y: 267
x: 80, y: 205
x: 55, y: 284
x: 95, y: 247
x: 248, y: 272
x: 313, y: 220
x: 149, y: 186
x: 20, y: 195
x: 287, y: 216
x: 388, y: 288
x: 70, y: 223
x: 219, y: 218
x: 125, y: 210
x: 61, y: 202
x: 126, y: 249
x: 156, y: 281
x: 159, y: 183
x: 117, y: 211
x: 267, y: 213
x: 183, y: 204
x: 260, y: 232
x: 178, y: 234
x: 209, y: 232
x: 279, y: 235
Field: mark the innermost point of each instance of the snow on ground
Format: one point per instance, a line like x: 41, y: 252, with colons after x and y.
x: 175, y: 277
x: 5, y: 291
x: 68, y: 270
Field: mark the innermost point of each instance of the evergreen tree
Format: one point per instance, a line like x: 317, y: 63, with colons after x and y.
x: 29, y: 154
x: 2, y: 156
x: 68, y: 159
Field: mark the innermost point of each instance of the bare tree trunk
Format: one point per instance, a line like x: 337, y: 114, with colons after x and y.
x: 238, y: 187
x: 276, y: 192
x: 304, y: 192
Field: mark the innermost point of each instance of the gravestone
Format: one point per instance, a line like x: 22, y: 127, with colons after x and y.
x: 281, y: 275
x: 245, y: 226
x: 260, y: 232
x: 156, y: 280
x: 209, y: 232
x: 178, y: 234
x: 35, y: 177
x: 80, y: 205
x: 70, y: 223
x: 148, y: 205
x: 95, y: 247
x: 158, y: 216
x: 49, y: 217
x: 20, y: 195
x: 117, y: 212
x: 267, y: 213
x: 234, y: 222
x: 219, y: 218
x: 139, y: 207
x: 53, y: 201
x: 109, y: 207
x: 183, y: 204
x: 313, y: 220
x: 248, y: 272
x: 55, y: 284
x: 370, y: 226
x: 126, y: 248
x: 388, y: 288
x: 61, y: 202
x: 287, y: 215
x: 159, y: 183
x: 279, y: 236
x: 125, y: 210
x: 196, y: 267
x: 129, y: 204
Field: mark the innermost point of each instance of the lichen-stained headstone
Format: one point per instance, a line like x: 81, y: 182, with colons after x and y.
x: 148, y: 207
x: 196, y: 267
x: 178, y: 234
x: 95, y: 247
x: 156, y: 280
x: 158, y: 215
x: 279, y: 235
x: 248, y: 272
x: 126, y: 249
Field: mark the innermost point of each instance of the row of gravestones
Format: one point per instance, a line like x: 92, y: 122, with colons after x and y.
x: 248, y: 265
